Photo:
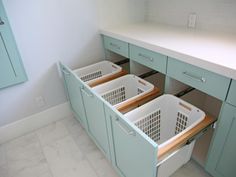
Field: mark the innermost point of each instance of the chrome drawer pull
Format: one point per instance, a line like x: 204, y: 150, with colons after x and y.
x: 145, y: 56
x: 65, y: 71
x: 115, y: 45
x: 1, y: 22
x: 196, y: 78
x: 124, y: 128
x: 86, y: 93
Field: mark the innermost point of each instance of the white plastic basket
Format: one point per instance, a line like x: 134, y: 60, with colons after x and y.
x: 123, y: 89
x: 164, y: 119
x: 97, y: 71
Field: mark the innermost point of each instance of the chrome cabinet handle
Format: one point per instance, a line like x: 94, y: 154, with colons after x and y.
x: 124, y: 128
x: 65, y: 71
x: 86, y: 93
x: 1, y: 22
x: 145, y: 56
x: 115, y: 45
x: 194, y: 77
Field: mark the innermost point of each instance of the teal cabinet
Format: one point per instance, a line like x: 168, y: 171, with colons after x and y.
x: 222, y: 156
x: 73, y: 87
x: 148, y: 58
x: 11, y: 68
x: 201, y: 79
x: 117, y: 46
x: 134, y: 153
x: 95, y: 113
x: 87, y: 107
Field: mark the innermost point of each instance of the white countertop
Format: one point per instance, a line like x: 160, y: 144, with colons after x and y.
x: 211, y: 51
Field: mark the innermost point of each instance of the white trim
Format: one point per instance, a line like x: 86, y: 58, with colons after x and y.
x: 34, y: 122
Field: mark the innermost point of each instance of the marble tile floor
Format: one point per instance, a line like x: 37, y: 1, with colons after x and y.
x: 63, y: 149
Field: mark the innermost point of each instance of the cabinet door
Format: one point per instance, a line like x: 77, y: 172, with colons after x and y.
x: 11, y: 68
x: 73, y: 87
x: 222, y: 156
x: 94, y: 109
x: 135, y: 155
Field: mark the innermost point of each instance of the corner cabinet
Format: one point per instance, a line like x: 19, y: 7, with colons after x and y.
x: 222, y: 157
x: 11, y: 68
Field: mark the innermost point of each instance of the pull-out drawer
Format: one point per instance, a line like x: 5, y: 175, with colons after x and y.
x: 201, y: 79
x: 231, y: 98
x: 135, y: 153
x: 148, y: 58
x: 117, y: 46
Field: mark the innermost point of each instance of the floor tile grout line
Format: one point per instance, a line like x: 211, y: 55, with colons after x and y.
x: 41, y: 147
x: 6, y: 158
x: 83, y: 152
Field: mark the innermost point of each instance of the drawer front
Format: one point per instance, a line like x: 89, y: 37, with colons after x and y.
x: 134, y: 154
x: 201, y: 79
x: 117, y: 46
x: 148, y: 58
x: 231, y: 98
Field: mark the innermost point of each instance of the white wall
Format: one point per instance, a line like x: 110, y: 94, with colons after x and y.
x: 47, y: 31
x: 117, y: 12
x: 216, y: 15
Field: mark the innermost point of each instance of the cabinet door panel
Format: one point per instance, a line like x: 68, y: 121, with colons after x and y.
x: 96, y: 119
x: 73, y: 86
x: 222, y: 157
x: 11, y: 69
x: 135, y: 154
x: 7, y: 71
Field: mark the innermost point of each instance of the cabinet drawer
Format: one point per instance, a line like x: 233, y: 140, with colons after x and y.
x: 116, y: 46
x: 231, y: 98
x: 148, y: 58
x: 201, y: 79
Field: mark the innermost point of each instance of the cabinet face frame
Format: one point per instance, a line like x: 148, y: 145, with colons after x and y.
x: 16, y: 65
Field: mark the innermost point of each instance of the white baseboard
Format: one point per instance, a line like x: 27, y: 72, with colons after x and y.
x: 34, y: 122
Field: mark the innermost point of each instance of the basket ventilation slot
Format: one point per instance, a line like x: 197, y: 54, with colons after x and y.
x: 91, y: 76
x: 181, y: 122
x: 150, y: 125
x: 115, y: 96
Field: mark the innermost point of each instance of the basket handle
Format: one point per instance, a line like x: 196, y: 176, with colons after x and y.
x: 124, y: 127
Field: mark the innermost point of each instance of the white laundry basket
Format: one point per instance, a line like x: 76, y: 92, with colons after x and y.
x: 123, y: 89
x: 97, y: 71
x: 164, y: 120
